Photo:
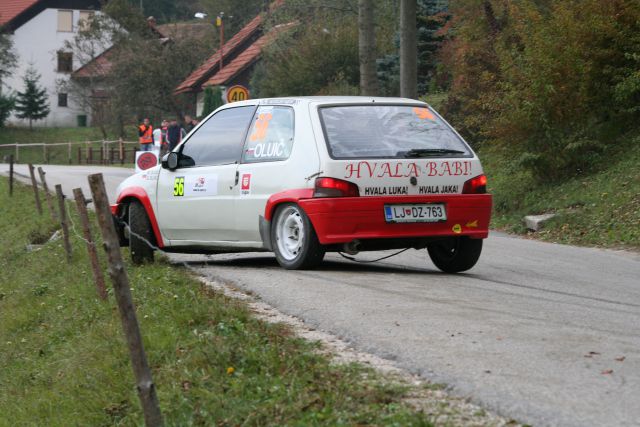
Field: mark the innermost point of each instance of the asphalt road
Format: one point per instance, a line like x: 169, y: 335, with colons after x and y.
x: 546, y: 334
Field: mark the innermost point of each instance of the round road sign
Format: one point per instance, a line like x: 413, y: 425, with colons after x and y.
x: 237, y: 93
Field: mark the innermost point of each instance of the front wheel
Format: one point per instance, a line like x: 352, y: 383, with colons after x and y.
x: 294, y: 240
x: 140, y: 235
x: 455, y: 254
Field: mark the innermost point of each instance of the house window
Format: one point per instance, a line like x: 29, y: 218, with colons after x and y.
x: 65, y: 21
x: 62, y: 100
x: 65, y: 62
x: 85, y: 20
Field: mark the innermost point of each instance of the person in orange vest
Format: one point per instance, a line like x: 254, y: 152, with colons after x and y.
x: 145, y: 132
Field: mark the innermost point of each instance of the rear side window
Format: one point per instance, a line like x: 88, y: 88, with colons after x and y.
x: 219, y: 140
x: 270, y: 137
x: 388, y: 131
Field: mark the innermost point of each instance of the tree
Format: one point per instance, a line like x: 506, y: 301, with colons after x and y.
x: 212, y: 100
x: 367, y: 48
x: 408, y: 50
x: 93, y: 38
x: 8, y: 57
x: 8, y: 62
x: 33, y: 103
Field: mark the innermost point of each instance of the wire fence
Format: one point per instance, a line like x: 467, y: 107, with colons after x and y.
x: 100, y: 152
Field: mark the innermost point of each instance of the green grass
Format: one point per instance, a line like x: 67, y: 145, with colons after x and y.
x: 63, y: 359
x: 600, y: 208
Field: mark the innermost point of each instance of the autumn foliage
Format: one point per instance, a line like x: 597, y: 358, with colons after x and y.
x: 554, y: 83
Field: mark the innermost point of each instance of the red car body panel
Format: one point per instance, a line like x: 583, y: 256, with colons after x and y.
x: 343, y: 219
x: 140, y: 194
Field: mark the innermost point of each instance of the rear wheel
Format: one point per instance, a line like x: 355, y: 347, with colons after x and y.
x: 294, y: 240
x: 455, y: 254
x: 140, y: 234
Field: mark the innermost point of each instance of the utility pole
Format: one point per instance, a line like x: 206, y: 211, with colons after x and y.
x: 367, y: 48
x: 220, y: 23
x: 408, y: 50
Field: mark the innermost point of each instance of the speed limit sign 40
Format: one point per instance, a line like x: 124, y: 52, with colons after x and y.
x: 237, y: 93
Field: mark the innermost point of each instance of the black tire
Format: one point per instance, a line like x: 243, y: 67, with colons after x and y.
x: 294, y: 240
x: 455, y: 254
x: 140, y: 233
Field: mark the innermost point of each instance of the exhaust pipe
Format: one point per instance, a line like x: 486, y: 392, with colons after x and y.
x: 352, y: 247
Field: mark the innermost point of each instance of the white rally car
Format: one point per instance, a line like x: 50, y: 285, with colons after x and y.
x: 303, y: 176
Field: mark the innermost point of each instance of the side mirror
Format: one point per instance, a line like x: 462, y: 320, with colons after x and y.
x: 170, y: 161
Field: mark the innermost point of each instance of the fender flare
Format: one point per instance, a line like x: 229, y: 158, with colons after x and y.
x: 139, y: 194
x: 288, y: 196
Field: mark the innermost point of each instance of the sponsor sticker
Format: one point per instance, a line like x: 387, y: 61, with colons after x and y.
x: 146, y: 160
x: 423, y: 113
x: 245, y: 184
x: 195, y: 185
x: 261, y: 126
x: 457, y: 229
x: 201, y: 185
x: 178, y: 186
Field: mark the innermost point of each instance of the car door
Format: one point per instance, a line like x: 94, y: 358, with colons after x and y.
x: 196, y: 200
x: 264, y: 169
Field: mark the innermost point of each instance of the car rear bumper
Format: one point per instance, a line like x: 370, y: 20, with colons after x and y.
x: 341, y: 220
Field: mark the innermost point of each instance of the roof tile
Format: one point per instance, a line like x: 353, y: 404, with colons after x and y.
x: 209, y: 66
x: 246, y: 58
x: 9, y: 9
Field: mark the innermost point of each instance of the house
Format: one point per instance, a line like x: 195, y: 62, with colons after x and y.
x: 233, y: 64
x: 39, y: 30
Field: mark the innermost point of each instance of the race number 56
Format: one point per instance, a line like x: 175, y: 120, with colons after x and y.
x: 178, y: 186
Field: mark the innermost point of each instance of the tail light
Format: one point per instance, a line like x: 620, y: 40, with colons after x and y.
x: 477, y: 185
x: 332, y: 187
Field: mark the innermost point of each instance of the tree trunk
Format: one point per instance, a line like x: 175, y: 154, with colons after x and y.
x: 408, y: 50
x: 367, y: 48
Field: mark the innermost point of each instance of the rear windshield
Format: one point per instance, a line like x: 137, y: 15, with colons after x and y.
x: 396, y: 131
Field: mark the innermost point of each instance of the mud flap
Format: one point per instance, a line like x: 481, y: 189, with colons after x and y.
x: 265, y: 232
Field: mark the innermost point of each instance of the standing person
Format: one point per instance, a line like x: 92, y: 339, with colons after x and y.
x: 189, y: 123
x: 160, y: 137
x: 175, y: 133
x: 145, y: 132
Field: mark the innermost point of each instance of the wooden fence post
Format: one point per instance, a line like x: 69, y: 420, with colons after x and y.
x: 69, y: 157
x: 47, y: 194
x: 63, y: 222
x: 10, y: 174
x: 34, y: 184
x: 98, y: 277
x: 121, y: 150
x: 122, y: 291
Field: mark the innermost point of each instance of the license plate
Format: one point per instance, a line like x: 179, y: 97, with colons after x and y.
x: 432, y: 212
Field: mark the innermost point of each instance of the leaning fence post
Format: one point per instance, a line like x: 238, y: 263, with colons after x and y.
x: 47, y: 195
x: 98, y: 277
x: 122, y: 291
x: 63, y: 222
x: 34, y: 184
x: 10, y: 174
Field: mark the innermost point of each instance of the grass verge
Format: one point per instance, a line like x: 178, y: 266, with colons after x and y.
x: 63, y: 359
x: 601, y: 208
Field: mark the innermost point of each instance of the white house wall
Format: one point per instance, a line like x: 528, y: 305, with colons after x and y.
x: 37, y: 42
